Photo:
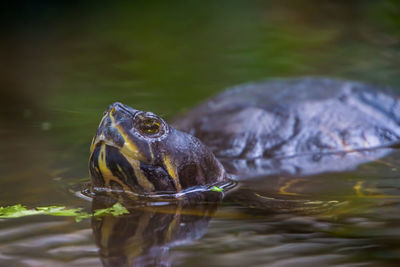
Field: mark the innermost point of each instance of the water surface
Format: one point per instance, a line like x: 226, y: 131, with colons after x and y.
x: 63, y: 64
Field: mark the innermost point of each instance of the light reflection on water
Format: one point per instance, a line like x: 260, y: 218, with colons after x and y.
x: 65, y: 66
x: 335, y: 224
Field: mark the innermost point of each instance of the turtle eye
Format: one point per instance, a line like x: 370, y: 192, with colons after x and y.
x: 149, y: 126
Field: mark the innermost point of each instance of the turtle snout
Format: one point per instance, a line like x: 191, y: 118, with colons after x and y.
x: 119, y: 112
x: 110, y: 126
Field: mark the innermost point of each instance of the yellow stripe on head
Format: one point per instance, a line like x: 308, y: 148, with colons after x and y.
x: 129, y: 149
x: 106, y: 172
x: 92, y: 144
x: 141, y: 178
x: 172, y: 171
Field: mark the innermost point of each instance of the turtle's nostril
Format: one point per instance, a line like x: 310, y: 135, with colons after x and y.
x: 115, y: 107
x: 120, y: 112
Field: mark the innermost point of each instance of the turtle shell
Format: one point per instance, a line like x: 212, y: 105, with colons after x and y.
x: 298, y: 126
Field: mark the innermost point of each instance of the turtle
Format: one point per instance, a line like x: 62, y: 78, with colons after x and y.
x: 299, y: 127
x: 295, y: 126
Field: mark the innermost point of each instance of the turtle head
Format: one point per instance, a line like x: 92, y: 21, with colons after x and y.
x: 139, y: 152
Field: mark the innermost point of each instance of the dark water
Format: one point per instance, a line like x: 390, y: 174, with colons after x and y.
x: 62, y: 64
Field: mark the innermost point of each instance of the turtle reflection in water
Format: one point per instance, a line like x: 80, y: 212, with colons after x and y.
x: 295, y: 127
x: 143, y: 237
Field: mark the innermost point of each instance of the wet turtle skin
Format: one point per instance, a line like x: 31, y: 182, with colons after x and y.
x: 137, y: 152
x: 295, y: 127
x: 298, y: 126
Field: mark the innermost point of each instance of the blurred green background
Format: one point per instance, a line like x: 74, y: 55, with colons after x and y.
x: 63, y: 63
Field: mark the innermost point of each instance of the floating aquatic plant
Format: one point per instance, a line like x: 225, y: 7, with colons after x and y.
x: 19, y: 210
